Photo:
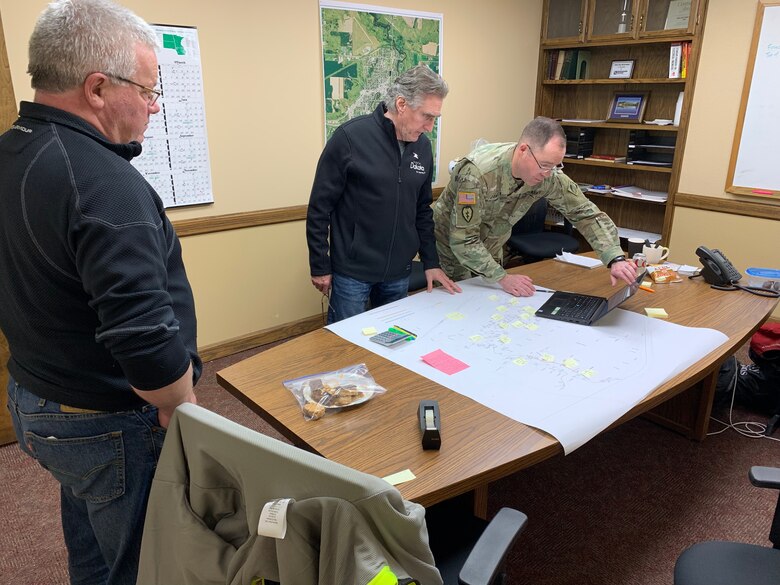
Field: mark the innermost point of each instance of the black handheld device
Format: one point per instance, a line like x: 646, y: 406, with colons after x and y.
x: 430, y: 424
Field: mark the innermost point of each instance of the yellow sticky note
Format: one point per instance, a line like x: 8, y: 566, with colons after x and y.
x: 514, y: 301
x: 504, y: 325
x: 505, y: 339
x: 369, y: 330
x: 500, y: 308
x: 656, y: 313
x: 570, y: 363
x: 456, y: 316
x: 475, y: 338
x: 529, y: 309
x: 647, y: 283
x: 519, y: 361
x: 400, y: 477
x: 546, y: 357
x: 589, y: 373
x: 497, y: 317
x: 517, y: 323
x: 493, y: 297
x: 525, y: 316
x: 532, y: 327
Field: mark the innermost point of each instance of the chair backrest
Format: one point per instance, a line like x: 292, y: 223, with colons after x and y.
x: 533, y: 221
x: 214, y: 478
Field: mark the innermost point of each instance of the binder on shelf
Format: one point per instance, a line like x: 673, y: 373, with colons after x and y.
x: 686, y: 53
x: 579, y: 141
x: 675, y: 60
x: 583, y: 64
x: 569, y: 69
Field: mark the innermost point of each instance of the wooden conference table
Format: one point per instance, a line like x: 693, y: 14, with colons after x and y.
x: 479, y: 445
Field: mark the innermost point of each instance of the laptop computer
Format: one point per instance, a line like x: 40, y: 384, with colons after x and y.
x: 584, y: 309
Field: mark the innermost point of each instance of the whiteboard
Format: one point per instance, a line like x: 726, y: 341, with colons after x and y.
x: 754, y: 168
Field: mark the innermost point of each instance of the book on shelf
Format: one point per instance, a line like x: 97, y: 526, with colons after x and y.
x: 606, y: 158
x: 559, y: 63
x: 686, y: 53
x: 675, y: 60
x: 650, y: 163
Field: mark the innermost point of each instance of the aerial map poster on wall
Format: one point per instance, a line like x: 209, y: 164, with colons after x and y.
x: 364, y: 48
x: 175, y: 157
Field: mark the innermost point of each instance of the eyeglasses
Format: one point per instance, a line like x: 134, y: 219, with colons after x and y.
x: 149, y: 93
x: 556, y: 169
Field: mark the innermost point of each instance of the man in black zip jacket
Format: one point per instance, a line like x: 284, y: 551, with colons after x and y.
x: 372, y: 196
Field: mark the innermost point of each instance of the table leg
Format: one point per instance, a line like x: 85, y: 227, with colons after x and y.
x: 481, y: 501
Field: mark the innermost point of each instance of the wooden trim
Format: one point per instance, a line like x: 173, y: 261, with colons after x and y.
x: 731, y: 206
x: 235, y: 221
x: 247, y: 219
x: 8, y: 114
x: 251, y: 340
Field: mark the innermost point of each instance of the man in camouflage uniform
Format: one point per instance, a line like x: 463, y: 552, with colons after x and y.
x: 494, y: 186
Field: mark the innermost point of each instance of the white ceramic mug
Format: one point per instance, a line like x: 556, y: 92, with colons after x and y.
x: 655, y: 254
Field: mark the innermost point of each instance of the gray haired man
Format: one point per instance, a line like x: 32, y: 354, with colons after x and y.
x: 95, y: 302
x: 369, y: 210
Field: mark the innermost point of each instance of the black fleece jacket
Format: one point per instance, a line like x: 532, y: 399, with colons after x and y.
x: 93, y: 292
x: 375, y: 202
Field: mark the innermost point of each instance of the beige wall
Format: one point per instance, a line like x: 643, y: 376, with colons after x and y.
x: 746, y: 241
x: 263, y: 89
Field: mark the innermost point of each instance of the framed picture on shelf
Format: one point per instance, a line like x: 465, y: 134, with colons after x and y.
x: 628, y: 106
x: 622, y: 69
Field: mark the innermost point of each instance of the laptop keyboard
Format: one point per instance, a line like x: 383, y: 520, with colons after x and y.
x: 580, y: 307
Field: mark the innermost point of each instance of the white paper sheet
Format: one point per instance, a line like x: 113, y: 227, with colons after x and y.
x: 569, y: 380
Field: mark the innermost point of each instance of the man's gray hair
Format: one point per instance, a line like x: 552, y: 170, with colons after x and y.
x: 414, y: 85
x: 73, y: 38
x: 541, y: 130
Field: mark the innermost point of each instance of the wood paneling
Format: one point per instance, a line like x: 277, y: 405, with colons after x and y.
x: 763, y: 210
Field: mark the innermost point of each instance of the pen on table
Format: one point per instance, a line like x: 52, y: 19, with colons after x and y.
x: 540, y: 289
x: 647, y: 288
x: 401, y: 330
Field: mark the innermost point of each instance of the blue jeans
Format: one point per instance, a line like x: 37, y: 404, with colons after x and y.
x: 350, y: 297
x: 104, y: 463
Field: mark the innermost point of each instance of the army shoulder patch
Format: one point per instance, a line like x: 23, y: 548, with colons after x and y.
x: 467, y: 198
x: 467, y: 213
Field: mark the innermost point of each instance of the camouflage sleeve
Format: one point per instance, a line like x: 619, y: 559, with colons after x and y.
x: 595, y: 226
x: 465, y: 225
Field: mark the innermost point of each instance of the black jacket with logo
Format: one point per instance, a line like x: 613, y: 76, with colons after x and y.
x: 94, y: 297
x: 375, y: 201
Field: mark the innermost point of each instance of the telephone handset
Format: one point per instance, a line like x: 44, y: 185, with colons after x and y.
x: 721, y: 274
x: 717, y: 268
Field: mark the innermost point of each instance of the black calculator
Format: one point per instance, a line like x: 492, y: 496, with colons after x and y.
x: 389, y: 338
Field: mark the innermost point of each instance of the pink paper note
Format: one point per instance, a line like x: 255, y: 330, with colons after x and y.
x: 444, y: 362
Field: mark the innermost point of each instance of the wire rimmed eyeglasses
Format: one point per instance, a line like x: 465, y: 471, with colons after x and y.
x: 149, y: 93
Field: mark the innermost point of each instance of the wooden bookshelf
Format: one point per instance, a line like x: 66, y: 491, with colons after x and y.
x: 645, y: 35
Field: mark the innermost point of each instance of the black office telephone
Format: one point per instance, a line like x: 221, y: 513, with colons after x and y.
x: 721, y: 274
x: 717, y: 268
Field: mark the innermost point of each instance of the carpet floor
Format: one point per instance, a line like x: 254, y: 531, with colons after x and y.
x: 619, y: 510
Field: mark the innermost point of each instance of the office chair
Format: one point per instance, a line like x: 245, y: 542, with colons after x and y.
x: 735, y: 563
x: 342, y: 526
x: 530, y: 240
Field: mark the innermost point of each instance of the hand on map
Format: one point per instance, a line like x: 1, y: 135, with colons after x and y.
x: 518, y: 285
x: 438, y: 275
x: 625, y: 271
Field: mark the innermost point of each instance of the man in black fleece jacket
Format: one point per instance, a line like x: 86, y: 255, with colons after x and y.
x: 94, y: 299
x: 370, y: 206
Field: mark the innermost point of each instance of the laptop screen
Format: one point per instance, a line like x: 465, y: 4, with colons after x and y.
x: 624, y: 293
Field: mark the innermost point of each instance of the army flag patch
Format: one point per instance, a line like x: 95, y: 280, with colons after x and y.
x: 467, y: 213
x: 467, y: 198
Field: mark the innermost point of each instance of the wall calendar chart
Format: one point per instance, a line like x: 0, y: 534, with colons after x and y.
x: 175, y: 157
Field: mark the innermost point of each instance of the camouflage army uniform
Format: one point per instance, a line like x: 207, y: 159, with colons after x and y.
x: 476, y: 211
